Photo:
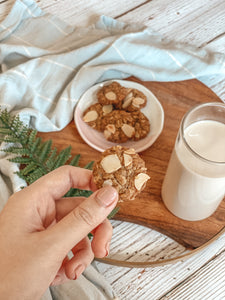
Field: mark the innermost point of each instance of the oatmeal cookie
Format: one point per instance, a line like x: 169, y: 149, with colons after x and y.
x: 141, y: 125
x: 93, y: 115
x: 118, y: 126
x: 134, y: 100
x: 123, y: 169
x: 113, y: 93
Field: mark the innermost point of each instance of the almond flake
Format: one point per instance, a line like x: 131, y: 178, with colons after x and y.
x: 130, y: 151
x: 107, y: 182
x: 107, y: 109
x: 128, y: 130
x: 140, y: 180
x: 138, y: 101
x: 127, y: 160
x: 107, y: 133
x: 110, y: 96
x: 127, y: 100
x: 91, y: 115
x: 127, y: 103
x: 111, y: 128
x: 111, y: 163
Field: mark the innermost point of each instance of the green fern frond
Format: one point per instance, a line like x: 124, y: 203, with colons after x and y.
x: 75, y: 161
x: 89, y: 165
x: 21, y: 160
x: 51, y: 159
x: 16, y: 150
x: 35, y: 144
x: 29, y: 169
x: 35, y: 175
x: 113, y: 212
x: 78, y: 193
x: 36, y: 157
x: 45, y: 151
x: 32, y: 136
x: 62, y: 158
x: 5, y: 131
x: 11, y: 139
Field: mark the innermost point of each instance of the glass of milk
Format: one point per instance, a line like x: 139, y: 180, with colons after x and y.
x: 194, y: 184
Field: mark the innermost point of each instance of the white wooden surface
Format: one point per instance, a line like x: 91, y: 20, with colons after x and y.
x: 200, y: 23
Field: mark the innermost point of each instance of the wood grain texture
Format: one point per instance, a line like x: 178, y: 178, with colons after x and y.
x: 197, y: 287
x: 189, y: 22
x: 155, y: 282
x: 148, y: 209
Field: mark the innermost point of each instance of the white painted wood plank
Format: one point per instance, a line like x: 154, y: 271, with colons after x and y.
x: 83, y: 13
x: 155, y: 282
x: 192, y: 22
x: 5, y: 7
x: 216, y: 83
x: 138, y: 243
x: 206, y: 283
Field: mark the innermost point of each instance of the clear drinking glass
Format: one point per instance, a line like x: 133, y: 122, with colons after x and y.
x: 194, y: 184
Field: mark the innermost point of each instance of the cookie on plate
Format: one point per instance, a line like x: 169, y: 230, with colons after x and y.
x: 123, y: 169
x: 141, y: 125
x: 113, y: 93
x: 118, y: 126
x: 134, y: 100
x: 93, y: 115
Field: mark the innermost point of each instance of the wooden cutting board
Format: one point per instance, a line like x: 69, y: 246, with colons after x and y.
x: 148, y: 209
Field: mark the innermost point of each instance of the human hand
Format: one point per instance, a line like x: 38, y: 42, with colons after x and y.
x: 38, y: 228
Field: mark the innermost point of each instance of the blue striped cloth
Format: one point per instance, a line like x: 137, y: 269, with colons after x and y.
x: 47, y: 64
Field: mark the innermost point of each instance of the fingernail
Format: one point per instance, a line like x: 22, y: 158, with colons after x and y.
x: 106, y: 196
x: 107, y: 248
x: 78, y: 271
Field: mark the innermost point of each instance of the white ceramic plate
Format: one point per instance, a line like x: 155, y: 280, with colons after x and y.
x: 153, y: 111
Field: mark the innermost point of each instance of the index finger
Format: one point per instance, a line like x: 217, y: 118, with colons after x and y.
x: 58, y: 182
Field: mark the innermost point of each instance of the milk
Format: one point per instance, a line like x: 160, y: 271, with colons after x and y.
x: 194, y: 187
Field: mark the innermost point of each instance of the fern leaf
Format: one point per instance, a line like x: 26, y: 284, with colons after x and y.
x: 5, y: 131
x: 89, y: 165
x: 29, y: 169
x: 63, y: 157
x: 12, y: 139
x: 75, y: 161
x: 70, y: 193
x: 35, y: 145
x: 45, y: 150
x: 38, y: 173
x: 78, y: 193
x: 17, y: 150
x: 21, y: 160
x: 32, y: 137
x: 113, y: 212
x: 50, y: 162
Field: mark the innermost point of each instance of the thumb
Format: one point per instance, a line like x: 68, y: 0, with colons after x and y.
x: 84, y: 218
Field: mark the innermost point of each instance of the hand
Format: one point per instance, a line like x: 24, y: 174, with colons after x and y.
x: 38, y: 228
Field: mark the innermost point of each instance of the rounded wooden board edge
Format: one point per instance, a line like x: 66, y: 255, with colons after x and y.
x: 166, y: 261
x: 182, y: 257
x: 156, y: 263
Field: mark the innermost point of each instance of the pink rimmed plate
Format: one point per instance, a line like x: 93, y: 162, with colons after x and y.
x: 153, y: 111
